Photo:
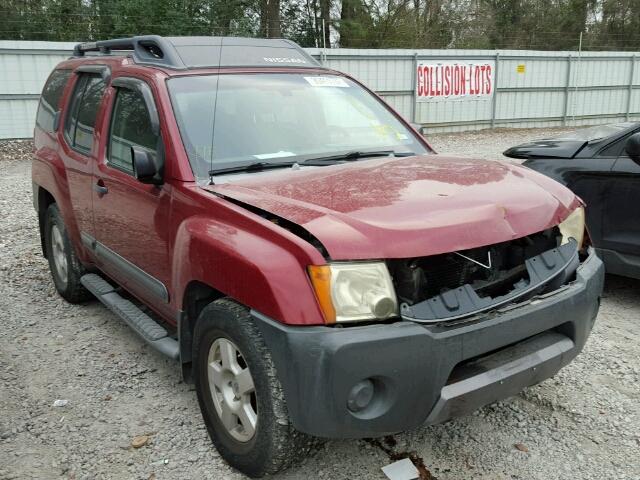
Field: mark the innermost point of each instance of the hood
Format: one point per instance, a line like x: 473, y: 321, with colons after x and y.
x: 406, y: 207
x: 550, y: 148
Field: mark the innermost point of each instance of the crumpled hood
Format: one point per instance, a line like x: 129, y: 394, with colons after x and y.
x: 407, y: 207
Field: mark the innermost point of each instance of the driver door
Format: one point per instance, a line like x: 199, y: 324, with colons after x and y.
x: 621, y: 224
x: 131, y: 219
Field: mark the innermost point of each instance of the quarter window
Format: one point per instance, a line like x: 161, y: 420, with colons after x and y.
x: 50, y: 99
x: 81, y: 120
x: 130, y: 126
x: 615, y: 149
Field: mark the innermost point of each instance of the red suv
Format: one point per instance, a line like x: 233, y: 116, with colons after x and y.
x: 302, y: 252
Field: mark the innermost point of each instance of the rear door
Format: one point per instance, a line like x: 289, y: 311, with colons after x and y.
x: 78, y: 145
x: 130, y: 217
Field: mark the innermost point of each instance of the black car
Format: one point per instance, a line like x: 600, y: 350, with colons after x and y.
x: 601, y: 165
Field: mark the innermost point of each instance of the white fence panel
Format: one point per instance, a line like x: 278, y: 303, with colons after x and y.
x: 530, y: 88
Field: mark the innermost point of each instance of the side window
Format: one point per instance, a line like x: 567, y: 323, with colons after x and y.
x: 614, y: 149
x: 50, y: 99
x: 130, y: 126
x: 81, y: 119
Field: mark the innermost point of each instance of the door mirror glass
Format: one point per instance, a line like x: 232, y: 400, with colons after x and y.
x: 145, y: 166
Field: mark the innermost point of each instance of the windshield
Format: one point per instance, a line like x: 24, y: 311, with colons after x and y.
x: 280, y: 117
x: 593, y: 134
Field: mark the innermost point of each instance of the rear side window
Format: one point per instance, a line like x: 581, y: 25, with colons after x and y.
x: 50, y: 99
x: 614, y: 149
x: 130, y: 126
x: 81, y: 119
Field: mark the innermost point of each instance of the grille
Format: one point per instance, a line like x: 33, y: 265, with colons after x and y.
x: 444, y: 272
x: 417, y: 279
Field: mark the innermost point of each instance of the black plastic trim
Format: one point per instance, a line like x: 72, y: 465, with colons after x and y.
x: 128, y: 269
x: 143, y: 88
x: 155, y: 50
x: 464, y: 301
x: 103, y: 70
x: 618, y: 263
x: 411, y: 364
x: 140, y: 47
x: 185, y: 343
x: 151, y: 331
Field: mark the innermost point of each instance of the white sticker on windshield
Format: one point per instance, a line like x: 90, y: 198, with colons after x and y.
x: 327, y: 82
x: 280, y: 154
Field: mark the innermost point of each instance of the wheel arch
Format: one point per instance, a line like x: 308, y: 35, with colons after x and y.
x: 42, y: 199
x: 197, y: 295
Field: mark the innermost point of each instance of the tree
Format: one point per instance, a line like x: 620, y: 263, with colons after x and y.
x: 531, y: 24
x: 325, y: 15
x: 355, y: 23
x: 270, y: 19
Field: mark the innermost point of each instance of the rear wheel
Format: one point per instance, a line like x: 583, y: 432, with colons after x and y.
x: 240, y: 396
x: 65, y: 267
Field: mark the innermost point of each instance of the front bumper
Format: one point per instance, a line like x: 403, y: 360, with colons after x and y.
x: 429, y: 373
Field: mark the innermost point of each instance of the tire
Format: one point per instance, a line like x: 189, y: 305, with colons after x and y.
x: 274, y: 444
x: 65, y: 267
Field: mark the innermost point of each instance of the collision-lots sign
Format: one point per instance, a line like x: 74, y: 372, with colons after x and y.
x: 448, y: 80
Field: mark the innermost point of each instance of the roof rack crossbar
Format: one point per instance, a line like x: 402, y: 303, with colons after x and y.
x: 150, y: 49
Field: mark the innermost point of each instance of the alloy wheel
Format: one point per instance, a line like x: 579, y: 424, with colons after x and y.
x: 232, y: 389
x: 59, y: 256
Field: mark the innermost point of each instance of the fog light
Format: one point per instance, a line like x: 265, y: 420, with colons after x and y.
x: 360, y: 396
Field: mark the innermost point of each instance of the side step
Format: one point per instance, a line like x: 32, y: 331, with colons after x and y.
x: 153, y: 333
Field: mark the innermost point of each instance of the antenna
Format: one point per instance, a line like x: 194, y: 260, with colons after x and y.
x: 215, y: 108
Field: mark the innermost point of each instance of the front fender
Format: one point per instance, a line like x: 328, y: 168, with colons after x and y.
x: 258, y: 264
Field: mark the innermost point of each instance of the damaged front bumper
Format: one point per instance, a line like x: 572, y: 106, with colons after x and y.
x: 545, y: 272
x: 429, y: 372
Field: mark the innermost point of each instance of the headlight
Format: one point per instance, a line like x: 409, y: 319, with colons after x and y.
x: 573, y: 227
x: 352, y: 292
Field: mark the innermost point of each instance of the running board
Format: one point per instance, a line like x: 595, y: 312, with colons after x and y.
x: 153, y: 333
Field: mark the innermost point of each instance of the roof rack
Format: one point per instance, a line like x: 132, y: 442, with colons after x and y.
x: 182, y: 53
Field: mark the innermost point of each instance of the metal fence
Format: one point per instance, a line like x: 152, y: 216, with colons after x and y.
x: 531, y: 88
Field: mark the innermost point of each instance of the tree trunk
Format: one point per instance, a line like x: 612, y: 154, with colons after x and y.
x: 347, y: 18
x: 270, y: 18
x: 325, y: 13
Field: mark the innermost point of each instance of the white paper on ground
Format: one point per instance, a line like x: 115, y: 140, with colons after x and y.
x: 401, y: 470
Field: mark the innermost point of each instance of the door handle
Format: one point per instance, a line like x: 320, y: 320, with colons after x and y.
x: 100, y: 188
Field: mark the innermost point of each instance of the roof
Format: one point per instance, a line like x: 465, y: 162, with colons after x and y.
x: 183, y: 53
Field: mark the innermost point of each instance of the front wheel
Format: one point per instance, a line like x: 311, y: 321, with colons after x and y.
x: 240, y: 396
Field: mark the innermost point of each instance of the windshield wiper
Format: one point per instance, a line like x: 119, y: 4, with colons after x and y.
x: 250, y: 167
x: 349, y: 156
x: 356, y: 155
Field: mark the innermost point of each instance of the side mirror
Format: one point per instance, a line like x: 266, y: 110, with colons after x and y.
x: 147, y: 167
x: 632, y: 146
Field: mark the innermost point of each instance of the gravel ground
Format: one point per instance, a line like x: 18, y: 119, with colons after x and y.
x: 583, y: 423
